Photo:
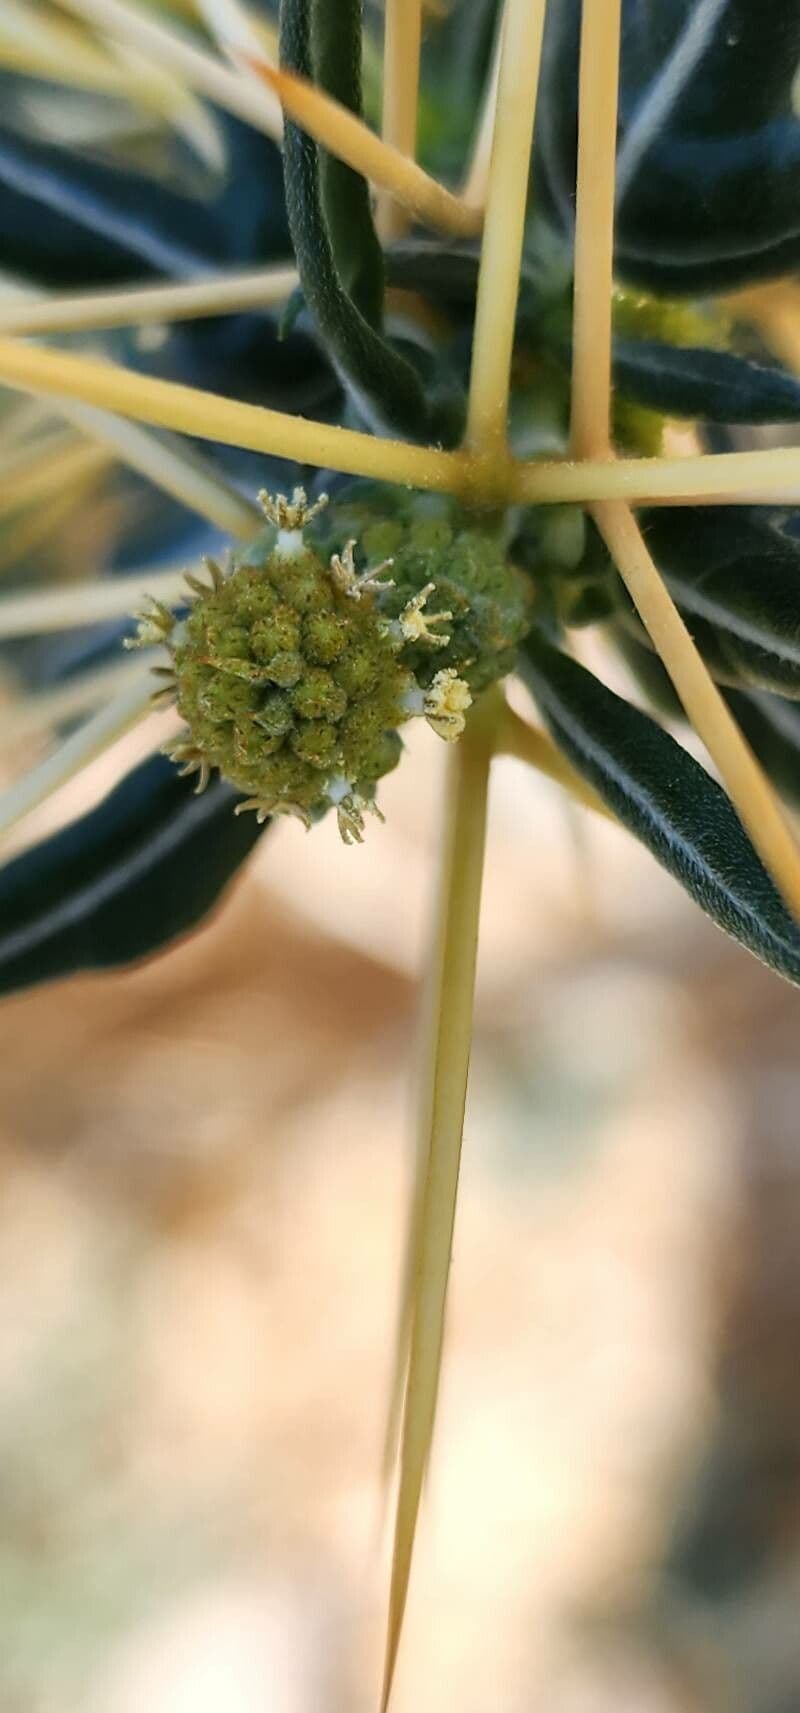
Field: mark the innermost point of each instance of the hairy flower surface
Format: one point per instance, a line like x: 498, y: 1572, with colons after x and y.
x: 293, y: 672
x: 487, y: 599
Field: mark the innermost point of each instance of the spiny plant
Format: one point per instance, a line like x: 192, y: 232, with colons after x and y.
x: 527, y: 421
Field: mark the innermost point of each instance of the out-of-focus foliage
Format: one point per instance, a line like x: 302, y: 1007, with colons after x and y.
x: 708, y: 200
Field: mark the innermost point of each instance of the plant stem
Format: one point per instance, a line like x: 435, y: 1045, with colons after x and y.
x: 455, y: 953
x: 401, y: 53
x: 750, y: 792
x: 352, y: 141
x: 527, y: 743
x: 594, y: 227
x: 223, y: 294
x: 501, y: 250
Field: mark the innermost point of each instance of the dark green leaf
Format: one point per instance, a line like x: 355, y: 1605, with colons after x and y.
x: 139, y: 870
x: 667, y: 800
x: 358, y: 257
x: 714, y: 385
x: 648, y: 671
x: 709, y: 147
x: 740, y: 575
x: 772, y: 728
x: 385, y: 386
x: 104, y: 224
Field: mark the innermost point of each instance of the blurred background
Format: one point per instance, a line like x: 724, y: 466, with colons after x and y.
x: 205, y: 1161
x: 205, y: 1172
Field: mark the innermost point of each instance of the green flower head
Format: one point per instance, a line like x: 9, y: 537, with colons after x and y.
x: 294, y: 671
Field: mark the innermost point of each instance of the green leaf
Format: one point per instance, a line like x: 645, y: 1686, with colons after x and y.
x: 336, y: 33
x: 667, y: 800
x: 714, y: 385
x: 709, y: 145
x: 740, y: 575
x: 772, y: 728
x: 386, y: 388
x: 650, y: 675
x: 770, y: 724
x: 142, y: 868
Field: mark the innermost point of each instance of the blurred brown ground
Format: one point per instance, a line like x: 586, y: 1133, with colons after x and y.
x: 205, y: 1168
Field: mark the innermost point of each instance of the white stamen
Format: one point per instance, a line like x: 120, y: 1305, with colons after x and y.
x: 289, y: 544
x: 413, y: 701
x: 337, y: 789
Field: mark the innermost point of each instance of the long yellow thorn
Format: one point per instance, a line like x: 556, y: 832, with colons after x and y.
x: 178, y: 470
x: 720, y: 478
x: 236, y: 94
x: 48, y: 472
x: 88, y: 603
x: 401, y: 53
x: 594, y: 227
x: 515, y: 737
x: 462, y: 859
x: 474, y: 190
x: 501, y: 250
x: 352, y: 141
x: 750, y: 792
x: 220, y: 294
x: 208, y: 416
x: 109, y: 723
x: 30, y: 716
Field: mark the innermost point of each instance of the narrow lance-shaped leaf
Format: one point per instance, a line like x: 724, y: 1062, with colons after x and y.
x: 384, y: 385
x: 772, y: 728
x: 709, y: 148
x: 667, y: 800
x: 336, y: 49
x: 105, y: 224
x: 740, y: 575
x: 715, y: 385
x: 131, y: 876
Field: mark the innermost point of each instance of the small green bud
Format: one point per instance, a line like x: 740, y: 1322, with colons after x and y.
x: 318, y: 696
x: 325, y: 637
x: 487, y: 598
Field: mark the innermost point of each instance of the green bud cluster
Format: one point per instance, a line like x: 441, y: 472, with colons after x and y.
x: 294, y: 670
x: 285, y: 683
x: 486, y: 598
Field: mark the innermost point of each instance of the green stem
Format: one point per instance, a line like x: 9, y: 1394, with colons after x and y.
x: 527, y: 743
x: 442, y: 1113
